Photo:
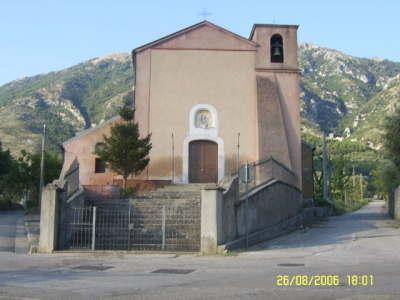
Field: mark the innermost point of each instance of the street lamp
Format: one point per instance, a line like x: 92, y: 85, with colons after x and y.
x: 42, y: 167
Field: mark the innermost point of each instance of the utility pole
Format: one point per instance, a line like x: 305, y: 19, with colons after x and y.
x: 173, y: 158
x: 324, y: 170
x: 247, y: 203
x: 361, y: 186
x: 238, y: 152
x: 42, y: 167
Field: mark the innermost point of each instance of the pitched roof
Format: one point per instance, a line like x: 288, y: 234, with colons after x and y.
x: 85, y: 132
x: 313, y: 147
x: 190, y: 29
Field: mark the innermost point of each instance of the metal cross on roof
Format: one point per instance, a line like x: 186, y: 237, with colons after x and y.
x: 204, y: 14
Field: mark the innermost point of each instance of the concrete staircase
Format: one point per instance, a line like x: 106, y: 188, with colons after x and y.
x: 189, y: 191
x: 182, y: 212
x: 178, y: 205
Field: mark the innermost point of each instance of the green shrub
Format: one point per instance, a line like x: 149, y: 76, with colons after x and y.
x: 5, y: 203
x: 130, y: 191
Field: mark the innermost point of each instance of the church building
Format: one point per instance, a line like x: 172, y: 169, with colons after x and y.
x: 212, y: 100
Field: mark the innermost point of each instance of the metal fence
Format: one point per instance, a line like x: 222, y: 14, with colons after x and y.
x: 264, y: 171
x: 166, y: 228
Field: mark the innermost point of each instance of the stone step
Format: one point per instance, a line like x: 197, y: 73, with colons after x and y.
x: 173, y: 201
x: 184, y: 187
x: 178, y: 190
x: 178, y: 202
x: 184, y: 202
x: 172, y: 192
x: 172, y: 196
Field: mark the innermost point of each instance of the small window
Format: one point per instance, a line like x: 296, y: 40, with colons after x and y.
x: 99, y: 147
x: 276, y: 49
x: 100, y: 166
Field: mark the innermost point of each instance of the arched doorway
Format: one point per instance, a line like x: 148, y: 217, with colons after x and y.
x: 203, y: 161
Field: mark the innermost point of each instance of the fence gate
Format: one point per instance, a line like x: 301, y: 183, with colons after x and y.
x: 166, y: 228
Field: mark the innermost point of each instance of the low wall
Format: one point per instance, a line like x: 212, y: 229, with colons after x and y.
x: 393, y: 206
x: 268, y: 205
x: 96, y: 192
x: 307, y: 217
x: 143, y: 186
x: 57, y: 198
x: 228, y: 219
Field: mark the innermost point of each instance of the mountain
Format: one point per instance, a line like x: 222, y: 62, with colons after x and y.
x: 70, y: 100
x: 346, y: 95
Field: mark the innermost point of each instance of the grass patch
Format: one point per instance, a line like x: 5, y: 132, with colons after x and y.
x: 344, y: 208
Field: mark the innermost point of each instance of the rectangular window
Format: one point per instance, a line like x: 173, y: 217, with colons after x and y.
x: 100, y: 166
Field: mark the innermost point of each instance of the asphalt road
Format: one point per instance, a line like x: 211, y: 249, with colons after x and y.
x: 309, y: 264
x: 8, y: 229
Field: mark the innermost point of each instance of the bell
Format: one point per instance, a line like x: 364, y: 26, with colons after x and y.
x: 277, y: 52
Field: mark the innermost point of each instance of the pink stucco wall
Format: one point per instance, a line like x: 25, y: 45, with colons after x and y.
x: 205, y: 64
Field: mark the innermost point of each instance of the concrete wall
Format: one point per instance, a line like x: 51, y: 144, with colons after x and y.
x: 267, y: 205
x: 57, y: 198
x: 211, y: 219
x: 229, y: 212
x: 225, y: 218
x: 393, y: 205
x: 305, y: 218
x: 94, y: 192
x: 49, y: 219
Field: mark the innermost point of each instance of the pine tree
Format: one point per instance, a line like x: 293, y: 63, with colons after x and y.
x: 124, y: 152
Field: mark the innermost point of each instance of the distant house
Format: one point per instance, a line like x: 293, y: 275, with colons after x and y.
x: 212, y: 101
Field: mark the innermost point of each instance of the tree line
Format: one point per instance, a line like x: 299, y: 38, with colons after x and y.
x: 349, y: 181
x: 20, y: 177
x: 387, y: 176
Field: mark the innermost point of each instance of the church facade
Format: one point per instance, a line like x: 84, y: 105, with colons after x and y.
x: 212, y: 100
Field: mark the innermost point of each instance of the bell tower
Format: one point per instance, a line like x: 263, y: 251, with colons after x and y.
x: 277, y: 46
x: 277, y: 84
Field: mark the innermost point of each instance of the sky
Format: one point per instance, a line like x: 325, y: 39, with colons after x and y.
x: 40, y: 36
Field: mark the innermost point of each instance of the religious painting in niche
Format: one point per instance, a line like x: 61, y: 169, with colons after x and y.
x: 204, y: 119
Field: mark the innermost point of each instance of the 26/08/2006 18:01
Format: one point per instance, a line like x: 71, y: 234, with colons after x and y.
x: 327, y: 280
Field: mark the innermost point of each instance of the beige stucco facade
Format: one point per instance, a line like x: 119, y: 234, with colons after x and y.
x: 82, y: 148
x: 248, y: 104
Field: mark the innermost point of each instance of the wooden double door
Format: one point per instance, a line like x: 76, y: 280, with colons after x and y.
x: 203, y: 162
